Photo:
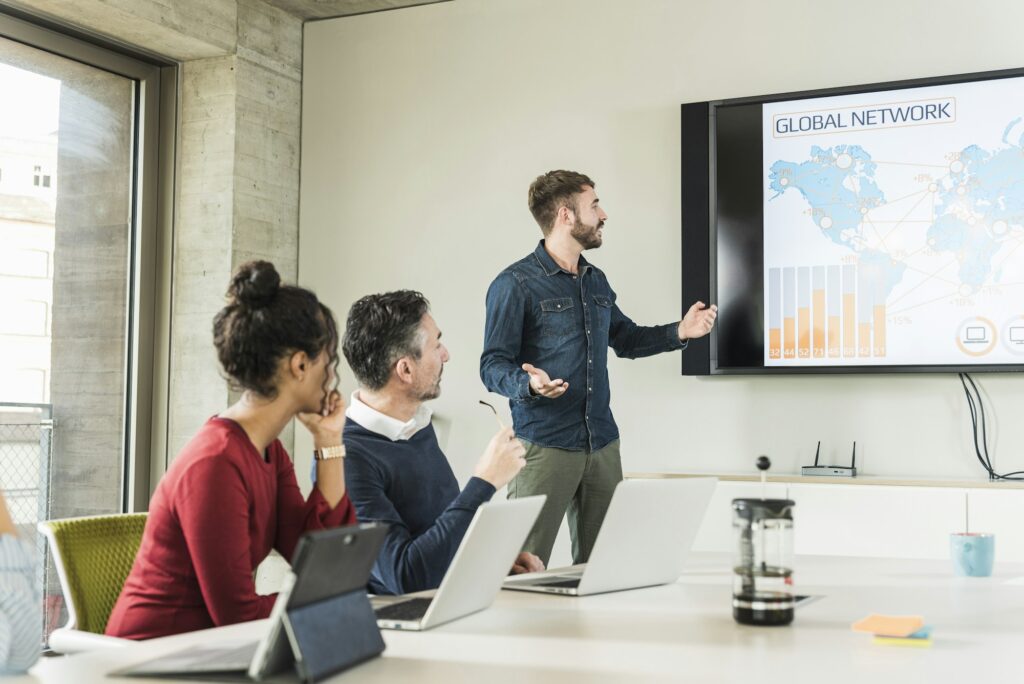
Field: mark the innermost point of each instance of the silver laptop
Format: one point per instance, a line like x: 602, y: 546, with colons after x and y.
x: 483, y: 559
x: 644, y: 540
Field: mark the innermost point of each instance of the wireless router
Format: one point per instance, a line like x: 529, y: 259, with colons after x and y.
x: 831, y: 470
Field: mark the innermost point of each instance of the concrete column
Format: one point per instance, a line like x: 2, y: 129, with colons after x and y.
x: 204, y: 224
x: 239, y: 186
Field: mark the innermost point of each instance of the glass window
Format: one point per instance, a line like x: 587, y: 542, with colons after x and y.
x: 71, y: 225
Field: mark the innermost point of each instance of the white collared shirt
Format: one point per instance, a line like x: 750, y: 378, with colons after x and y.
x: 384, y: 425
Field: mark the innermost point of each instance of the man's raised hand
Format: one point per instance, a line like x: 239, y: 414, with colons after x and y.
x: 543, y: 385
x: 698, y: 321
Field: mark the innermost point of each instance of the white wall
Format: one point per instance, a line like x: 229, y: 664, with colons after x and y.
x: 422, y: 129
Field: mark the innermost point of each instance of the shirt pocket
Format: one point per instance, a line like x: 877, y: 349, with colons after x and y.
x: 602, y: 313
x: 557, y: 317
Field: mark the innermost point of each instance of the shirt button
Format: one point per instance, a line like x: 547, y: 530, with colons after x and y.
x: 590, y: 389
x: 590, y: 361
x: 588, y: 331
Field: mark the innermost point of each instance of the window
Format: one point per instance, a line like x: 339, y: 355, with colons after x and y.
x: 77, y: 275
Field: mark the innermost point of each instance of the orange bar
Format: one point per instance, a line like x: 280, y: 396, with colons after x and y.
x: 789, y: 338
x: 818, y: 336
x: 774, y: 343
x: 804, y: 321
x: 833, y: 335
x: 864, y: 339
x: 849, y: 326
x: 879, y: 347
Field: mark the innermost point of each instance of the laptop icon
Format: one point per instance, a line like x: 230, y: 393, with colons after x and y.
x: 325, y: 592
x: 491, y: 544
x: 1017, y: 335
x: 975, y: 334
x: 644, y: 540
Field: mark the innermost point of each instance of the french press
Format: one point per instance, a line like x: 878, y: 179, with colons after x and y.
x: 763, y: 572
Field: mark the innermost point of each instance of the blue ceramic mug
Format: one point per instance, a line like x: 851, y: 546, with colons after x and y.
x: 972, y: 553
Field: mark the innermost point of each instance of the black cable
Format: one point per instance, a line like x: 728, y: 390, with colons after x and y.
x: 977, y: 409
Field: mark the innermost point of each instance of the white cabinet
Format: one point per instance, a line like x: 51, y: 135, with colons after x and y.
x: 880, y: 521
x: 875, y: 521
x: 894, y: 519
x: 716, y: 530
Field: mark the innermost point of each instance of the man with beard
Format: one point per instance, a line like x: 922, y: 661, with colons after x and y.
x: 551, y: 317
x: 395, y: 471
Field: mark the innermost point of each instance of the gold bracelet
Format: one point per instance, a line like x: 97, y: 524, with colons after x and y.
x: 328, y: 453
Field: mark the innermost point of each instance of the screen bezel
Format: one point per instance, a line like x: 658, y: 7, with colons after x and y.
x: 708, y: 365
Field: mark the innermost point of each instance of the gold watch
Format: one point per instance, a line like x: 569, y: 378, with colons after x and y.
x: 328, y: 453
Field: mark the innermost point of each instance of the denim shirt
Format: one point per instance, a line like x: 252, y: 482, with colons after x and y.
x: 562, y: 323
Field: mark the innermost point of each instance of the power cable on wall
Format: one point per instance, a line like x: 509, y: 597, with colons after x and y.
x: 977, y: 408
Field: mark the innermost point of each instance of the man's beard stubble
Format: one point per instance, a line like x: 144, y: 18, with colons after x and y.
x: 586, y: 235
x: 432, y: 392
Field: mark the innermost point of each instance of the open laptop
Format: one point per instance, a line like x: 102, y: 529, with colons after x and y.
x: 330, y: 569
x: 483, y: 559
x: 644, y: 540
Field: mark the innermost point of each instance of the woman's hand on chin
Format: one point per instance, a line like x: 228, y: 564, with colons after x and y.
x: 326, y: 426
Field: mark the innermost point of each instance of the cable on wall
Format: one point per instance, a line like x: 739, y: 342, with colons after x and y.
x: 977, y: 408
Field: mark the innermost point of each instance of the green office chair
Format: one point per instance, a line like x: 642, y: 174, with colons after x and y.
x: 93, y: 556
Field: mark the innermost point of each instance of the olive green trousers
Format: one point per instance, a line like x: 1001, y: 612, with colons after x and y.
x: 576, y: 482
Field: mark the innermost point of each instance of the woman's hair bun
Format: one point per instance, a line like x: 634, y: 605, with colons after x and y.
x: 255, y: 284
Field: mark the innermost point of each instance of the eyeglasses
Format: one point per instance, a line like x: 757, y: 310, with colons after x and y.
x: 495, y: 411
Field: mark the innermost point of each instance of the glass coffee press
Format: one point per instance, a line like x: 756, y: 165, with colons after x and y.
x: 762, y: 591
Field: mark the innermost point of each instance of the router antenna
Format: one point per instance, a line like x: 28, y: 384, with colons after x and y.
x: 817, y: 452
x: 853, y: 462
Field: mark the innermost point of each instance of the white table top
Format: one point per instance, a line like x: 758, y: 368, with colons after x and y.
x: 683, y: 632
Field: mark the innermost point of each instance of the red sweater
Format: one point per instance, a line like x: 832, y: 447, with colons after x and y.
x: 216, y: 514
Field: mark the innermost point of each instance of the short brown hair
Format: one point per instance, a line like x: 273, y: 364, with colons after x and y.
x: 552, y: 191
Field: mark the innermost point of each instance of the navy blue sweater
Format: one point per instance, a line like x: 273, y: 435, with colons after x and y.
x: 409, y: 485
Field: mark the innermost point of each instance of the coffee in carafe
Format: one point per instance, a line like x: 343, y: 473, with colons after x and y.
x: 763, y: 568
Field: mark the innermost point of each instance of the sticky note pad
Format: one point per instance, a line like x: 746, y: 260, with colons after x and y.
x: 895, y: 641
x: 889, y: 625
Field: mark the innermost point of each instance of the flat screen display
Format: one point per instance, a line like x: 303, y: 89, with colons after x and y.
x: 874, y: 228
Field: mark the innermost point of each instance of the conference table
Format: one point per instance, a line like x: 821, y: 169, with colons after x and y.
x: 682, y: 632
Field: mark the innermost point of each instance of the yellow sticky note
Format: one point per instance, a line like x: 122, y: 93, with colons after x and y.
x: 893, y: 641
x: 889, y: 625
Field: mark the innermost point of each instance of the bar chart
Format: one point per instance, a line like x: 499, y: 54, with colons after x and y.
x: 826, y: 312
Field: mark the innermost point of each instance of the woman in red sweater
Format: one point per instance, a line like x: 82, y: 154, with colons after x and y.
x: 231, y: 496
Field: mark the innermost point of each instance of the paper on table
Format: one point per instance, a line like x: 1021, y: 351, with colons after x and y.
x: 889, y: 625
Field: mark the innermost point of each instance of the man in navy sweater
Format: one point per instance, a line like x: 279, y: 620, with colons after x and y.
x: 395, y: 471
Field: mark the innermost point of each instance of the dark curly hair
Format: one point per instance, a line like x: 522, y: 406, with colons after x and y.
x: 266, y: 321
x: 552, y: 191
x: 381, y: 329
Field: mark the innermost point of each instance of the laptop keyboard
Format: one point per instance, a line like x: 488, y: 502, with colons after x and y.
x: 411, y: 610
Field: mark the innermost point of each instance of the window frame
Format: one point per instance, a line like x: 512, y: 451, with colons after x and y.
x: 151, y: 238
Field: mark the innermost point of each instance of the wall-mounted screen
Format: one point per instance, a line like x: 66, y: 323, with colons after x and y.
x: 872, y: 228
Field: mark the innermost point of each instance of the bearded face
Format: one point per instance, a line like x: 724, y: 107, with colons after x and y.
x: 588, y: 235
